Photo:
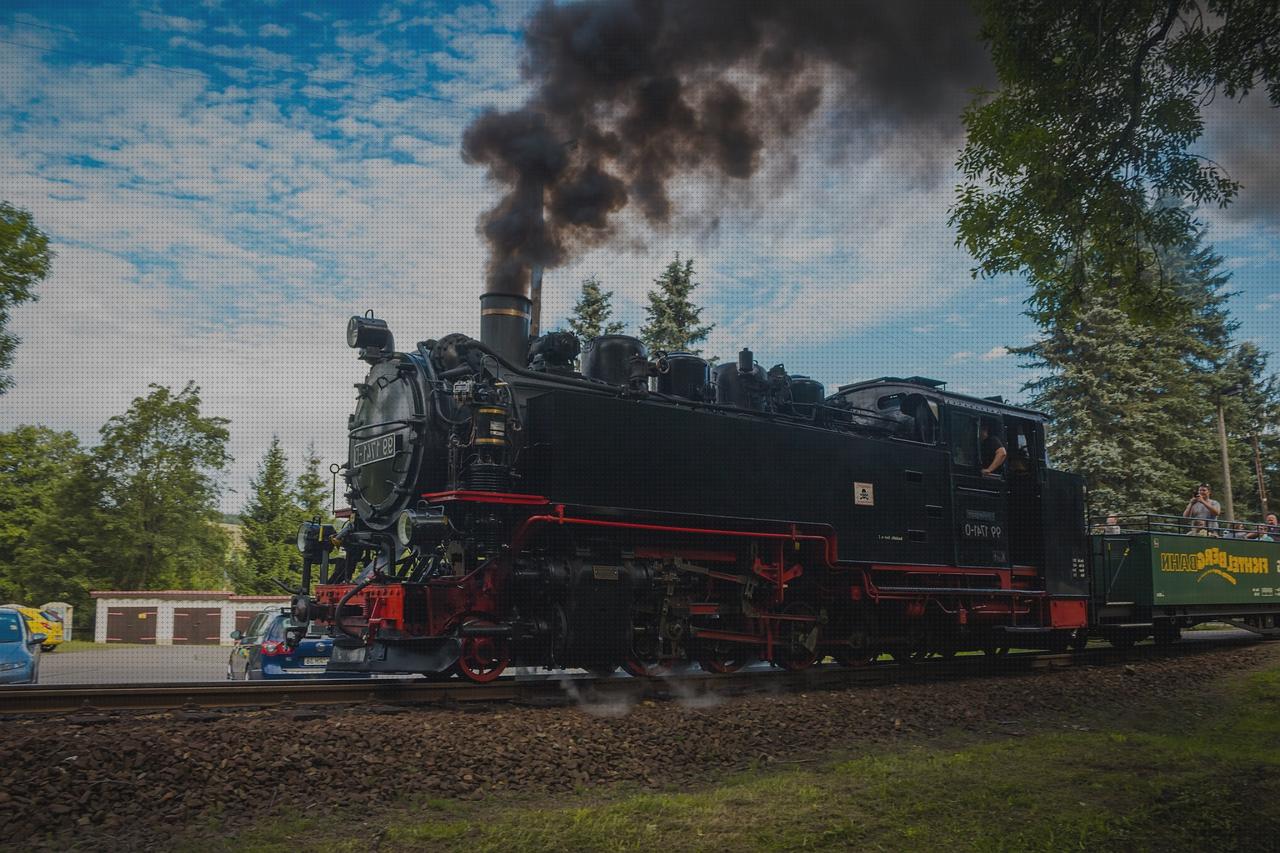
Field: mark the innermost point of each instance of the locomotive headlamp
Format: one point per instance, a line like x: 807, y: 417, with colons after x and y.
x: 314, y: 539
x: 369, y: 331
x: 410, y: 524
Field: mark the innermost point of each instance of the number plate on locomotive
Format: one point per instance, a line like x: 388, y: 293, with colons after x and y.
x: 375, y: 450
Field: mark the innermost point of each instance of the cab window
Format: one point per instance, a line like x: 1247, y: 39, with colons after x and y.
x: 964, y: 439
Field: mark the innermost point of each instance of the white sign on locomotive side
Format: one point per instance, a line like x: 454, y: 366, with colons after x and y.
x: 864, y: 494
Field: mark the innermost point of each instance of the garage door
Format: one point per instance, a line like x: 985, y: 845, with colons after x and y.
x: 243, y: 618
x: 196, y: 625
x: 131, y: 625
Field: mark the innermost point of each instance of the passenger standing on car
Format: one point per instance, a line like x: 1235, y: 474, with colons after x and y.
x: 993, y: 450
x: 1203, y: 510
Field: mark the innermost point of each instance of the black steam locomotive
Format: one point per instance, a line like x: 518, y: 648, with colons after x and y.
x: 511, y: 504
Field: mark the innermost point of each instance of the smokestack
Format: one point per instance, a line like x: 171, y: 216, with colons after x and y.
x: 504, y: 325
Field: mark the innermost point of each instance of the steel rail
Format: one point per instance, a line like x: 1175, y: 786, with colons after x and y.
x: 90, y: 703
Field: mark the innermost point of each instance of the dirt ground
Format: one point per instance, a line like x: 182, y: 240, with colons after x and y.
x: 142, y: 783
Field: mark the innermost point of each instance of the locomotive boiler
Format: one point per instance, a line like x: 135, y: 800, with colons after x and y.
x: 543, y: 503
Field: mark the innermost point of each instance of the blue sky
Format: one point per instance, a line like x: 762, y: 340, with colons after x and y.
x: 226, y: 182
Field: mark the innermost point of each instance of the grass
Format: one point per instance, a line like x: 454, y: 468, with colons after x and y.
x: 1204, y: 774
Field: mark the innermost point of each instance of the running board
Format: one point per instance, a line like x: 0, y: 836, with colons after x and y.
x: 960, y: 590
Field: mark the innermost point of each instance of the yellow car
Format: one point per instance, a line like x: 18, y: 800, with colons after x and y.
x: 42, y: 622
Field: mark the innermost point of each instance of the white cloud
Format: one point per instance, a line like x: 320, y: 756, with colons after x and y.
x: 225, y: 239
x: 994, y: 353
x: 274, y: 31
x: 171, y: 23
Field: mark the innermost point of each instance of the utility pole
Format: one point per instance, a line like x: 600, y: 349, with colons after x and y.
x: 1226, y: 464
x: 1262, y: 480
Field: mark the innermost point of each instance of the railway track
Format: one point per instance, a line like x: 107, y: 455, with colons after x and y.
x: 93, y: 703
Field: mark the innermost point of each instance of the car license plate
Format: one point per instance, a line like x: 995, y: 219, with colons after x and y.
x: 315, y: 661
x: 345, y: 655
x: 375, y: 450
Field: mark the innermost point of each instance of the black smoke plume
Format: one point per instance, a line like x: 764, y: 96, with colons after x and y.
x: 632, y: 93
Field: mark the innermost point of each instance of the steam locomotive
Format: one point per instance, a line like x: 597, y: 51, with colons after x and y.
x: 512, y: 505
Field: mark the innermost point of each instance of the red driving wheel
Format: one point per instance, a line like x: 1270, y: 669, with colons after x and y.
x: 482, y: 659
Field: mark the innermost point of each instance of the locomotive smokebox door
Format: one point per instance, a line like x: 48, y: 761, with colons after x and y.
x: 395, y: 452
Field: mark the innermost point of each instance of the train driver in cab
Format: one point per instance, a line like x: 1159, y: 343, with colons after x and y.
x: 993, y: 450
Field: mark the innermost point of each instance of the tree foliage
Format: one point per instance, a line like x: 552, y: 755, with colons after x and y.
x: 314, y: 491
x: 1099, y: 106
x: 1252, y: 410
x: 1134, y: 400
x: 35, y: 465
x: 592, y: 314
x: 1123, y: 403
x: 158, y: 464
x: 672, y: 320
x: 271, y: 520
x: 139, y: 511
x: 24, y: 262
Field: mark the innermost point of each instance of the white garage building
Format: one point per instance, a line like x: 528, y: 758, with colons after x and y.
x: 175, y: 616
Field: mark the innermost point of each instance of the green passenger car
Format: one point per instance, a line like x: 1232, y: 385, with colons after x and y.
x: 1154, y: 575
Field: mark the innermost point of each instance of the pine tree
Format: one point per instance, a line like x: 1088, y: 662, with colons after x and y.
x: 591, y: 316
x: 672, y: 318
x: 313, y: 492
x: 1118, y: 399
x: 271, y: 521
x: 1134, y: 399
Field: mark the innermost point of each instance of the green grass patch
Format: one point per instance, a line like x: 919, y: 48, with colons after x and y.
x: 1200, y: 774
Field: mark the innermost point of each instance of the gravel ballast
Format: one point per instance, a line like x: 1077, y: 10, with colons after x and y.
x: 138, y: 782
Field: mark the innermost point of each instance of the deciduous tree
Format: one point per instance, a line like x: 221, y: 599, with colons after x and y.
x: 158, y: 465
x: 1097, y: 114
x: 24, y: 262
x: 35, y: 464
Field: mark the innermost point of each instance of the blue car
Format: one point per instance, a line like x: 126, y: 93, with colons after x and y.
x: 19, y: 649
x: 261, y: 651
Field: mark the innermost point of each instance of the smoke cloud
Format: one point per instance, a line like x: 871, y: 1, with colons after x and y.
x: 631, y: 94
x: 1241, y: 138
